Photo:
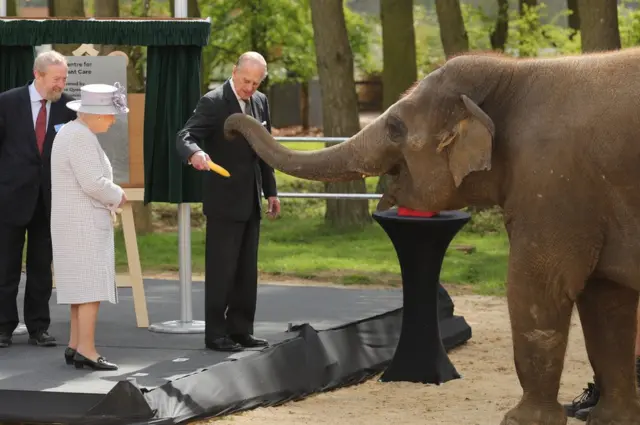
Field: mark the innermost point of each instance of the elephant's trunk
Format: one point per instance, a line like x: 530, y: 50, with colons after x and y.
x: 349, y: 160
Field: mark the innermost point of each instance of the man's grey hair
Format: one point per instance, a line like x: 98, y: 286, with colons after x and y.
x: 45, y: 59
x: 253, y: 58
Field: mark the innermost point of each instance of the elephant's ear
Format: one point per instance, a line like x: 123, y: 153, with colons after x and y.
x: 470, y: 143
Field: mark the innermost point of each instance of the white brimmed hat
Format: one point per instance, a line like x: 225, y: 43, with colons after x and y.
x: 101, y: 99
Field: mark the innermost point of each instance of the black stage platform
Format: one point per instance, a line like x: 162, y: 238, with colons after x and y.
x: 339, y: 336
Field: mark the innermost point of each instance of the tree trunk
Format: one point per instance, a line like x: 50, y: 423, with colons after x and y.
x: 142, y: 217
x: 398, y: 49
x: 339, y: 102
x: 66, y: 8
x: 500, y: 32
x: 574, y: 18
x: 452, y: 30
x: 12, y: 8
x: 399, y: 56
x: 108, y: 9
x: 304, y: 100
x: 599, y: 25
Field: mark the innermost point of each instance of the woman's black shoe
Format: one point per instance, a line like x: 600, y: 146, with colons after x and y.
x: 68, y: 355
x: 101, y: 364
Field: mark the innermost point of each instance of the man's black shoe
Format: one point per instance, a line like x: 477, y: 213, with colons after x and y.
x: 42, y: 339
x: 586, y: 400
x: 249, y: 341
x: 223, y: 344
x: 582, y: 405
x: 583, y: 414
x: 5, y: 340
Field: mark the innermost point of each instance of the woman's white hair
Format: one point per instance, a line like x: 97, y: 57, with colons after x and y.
x: 45, y: 59
x: 89, y: 115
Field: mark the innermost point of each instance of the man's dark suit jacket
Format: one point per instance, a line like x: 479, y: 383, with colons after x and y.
x: 23, y: 171
x: 235, y: 197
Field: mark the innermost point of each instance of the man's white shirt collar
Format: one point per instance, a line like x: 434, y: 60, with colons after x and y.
x: 241, y: 102
x: 33, y: 93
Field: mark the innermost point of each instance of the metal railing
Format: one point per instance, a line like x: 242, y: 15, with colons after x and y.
x: 186, y: 324
x: 311, y: 195
x: 315, y: 195
x: 308, y: 139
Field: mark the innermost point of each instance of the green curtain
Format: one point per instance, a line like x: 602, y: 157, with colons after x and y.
x: 132, y: 32
x: 17, y: 66
x: 173, y: 90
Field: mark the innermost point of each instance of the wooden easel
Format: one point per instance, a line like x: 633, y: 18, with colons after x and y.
x: 133, y: 257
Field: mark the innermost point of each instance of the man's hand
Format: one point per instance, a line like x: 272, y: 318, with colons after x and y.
x: 199, y: 161
x: 273, y: 209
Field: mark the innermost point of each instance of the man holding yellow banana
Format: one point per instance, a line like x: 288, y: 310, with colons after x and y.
x: 231, y: 202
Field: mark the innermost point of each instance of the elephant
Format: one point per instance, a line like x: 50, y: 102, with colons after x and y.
x: 555, y: 144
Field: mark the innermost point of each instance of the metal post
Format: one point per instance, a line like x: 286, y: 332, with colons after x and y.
x: 3, y: 7
x: 184, y: 258
x: 186, y: 324
x: 181, y: 8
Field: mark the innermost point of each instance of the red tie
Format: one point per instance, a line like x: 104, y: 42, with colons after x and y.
x: 41, y: 125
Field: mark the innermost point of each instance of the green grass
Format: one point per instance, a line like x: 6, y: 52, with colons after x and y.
x: 307, y: 249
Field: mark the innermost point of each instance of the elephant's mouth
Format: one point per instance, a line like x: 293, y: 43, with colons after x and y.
x: 387, y: 202
x: 402, y: 192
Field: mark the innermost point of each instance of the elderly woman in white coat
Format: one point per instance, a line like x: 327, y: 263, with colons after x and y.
x: 84, y: 200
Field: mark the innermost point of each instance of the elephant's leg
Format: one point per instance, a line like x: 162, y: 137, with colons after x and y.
x: 540, y: 314
x: 608, y: 316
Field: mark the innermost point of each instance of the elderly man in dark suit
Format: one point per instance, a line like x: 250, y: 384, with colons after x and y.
x: 232, y: 205
x: 30, y: 116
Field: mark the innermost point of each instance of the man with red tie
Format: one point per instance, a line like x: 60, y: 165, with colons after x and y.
x: 30, y: 116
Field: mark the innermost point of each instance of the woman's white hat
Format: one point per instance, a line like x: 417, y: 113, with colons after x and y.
x: 101, y: 99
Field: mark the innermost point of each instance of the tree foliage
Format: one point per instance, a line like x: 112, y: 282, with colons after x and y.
x: 629, y: 22
x: 288, y: 38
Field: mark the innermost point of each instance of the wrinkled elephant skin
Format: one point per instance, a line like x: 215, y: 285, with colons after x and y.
x: 556, y: 144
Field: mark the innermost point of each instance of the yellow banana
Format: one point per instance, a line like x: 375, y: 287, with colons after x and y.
x: 218, y: 169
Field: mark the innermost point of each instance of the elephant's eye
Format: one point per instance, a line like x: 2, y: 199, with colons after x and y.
x: 396, y: 129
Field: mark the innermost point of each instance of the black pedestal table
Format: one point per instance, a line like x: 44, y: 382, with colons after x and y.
x: 420, y: 244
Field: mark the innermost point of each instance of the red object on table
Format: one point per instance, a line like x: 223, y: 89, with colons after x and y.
x: 408, y: 212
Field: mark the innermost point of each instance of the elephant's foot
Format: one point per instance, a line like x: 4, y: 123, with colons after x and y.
x: 608, y: 414
x: 540, y: 326
x: 532, y: 413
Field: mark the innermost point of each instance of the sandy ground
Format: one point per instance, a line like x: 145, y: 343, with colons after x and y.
x: 488, y: 389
